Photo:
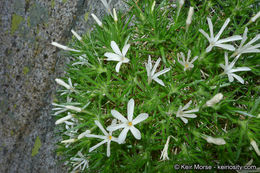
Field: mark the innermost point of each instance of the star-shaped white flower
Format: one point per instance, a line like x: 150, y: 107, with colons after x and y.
x: 82, y: 60
x: 107, y: 138
x: 248, y: 48
x: 214, y: 41
x: 151, y: 71
x: 228, y: 69
x: 186, y: 114
x: 127, y: 124
x: 118, y: 55
x: 186, y: 63
x: 79, y: 162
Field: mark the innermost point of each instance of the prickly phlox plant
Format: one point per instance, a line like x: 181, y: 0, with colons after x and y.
x: 162, y: 84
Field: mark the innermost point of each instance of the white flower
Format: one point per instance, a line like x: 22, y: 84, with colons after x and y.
x: 118, y: 55
x: 248, y: 48
x: 127, y: 124
x: 253, y: 19
x: 76, y: 35
x: 62, y: 120
x: 70, y: 88
x: 164, y: 155
x: 214, y: 41
x: 97, y: 20
x: 107, y: 138
x: 63, y: 108
x: 79, y: 162
x: 151, y: 71
x: 214, y: 100
x: 217, y: 141
x: 228, y: 69
x: 186, y: 114
x: 82, y: 60
x: 64, y: 47
x: 186, y: 63
x: 254, y: 145
x: 190, y: 14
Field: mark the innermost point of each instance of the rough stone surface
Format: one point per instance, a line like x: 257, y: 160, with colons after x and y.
x: 28, y: 67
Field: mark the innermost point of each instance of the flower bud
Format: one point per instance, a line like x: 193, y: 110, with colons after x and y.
x: 217, y: 141
x: 189, y: 18
x: 115, y: 15
x: 76, y: 35
x: 153, y: 5
x: 64, y: 47
x: 214, y: 100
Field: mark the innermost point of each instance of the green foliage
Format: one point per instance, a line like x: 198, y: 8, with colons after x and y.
x: 161, y: 33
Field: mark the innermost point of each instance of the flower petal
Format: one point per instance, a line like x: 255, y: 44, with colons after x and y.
x: 230, y: 78
x: 123, y: 134
x: 135, y: 132
x: 115, y: 127
x: 147, y: 69
x: 108, y: 148
x: 210, y: 27
x: 232, y: 38
x: 226, y: 46
x: 159, y: 81
x: 184, y: 120
x: 112, y: 56
x: 130, y: 109
x: 161, y: 72
x: 125, y: 49
x: 98, y: 145
x: 115, y: 48
x: 118, y: 116
x: 205, y: 34
x: 240, y: 69
x: 118, y: 65
x: 187, y: 105
x: 190, y: 111
x: 155, y: 66
x: 189, y: 115
x: 222, y: 28
x: 101, y: 127
x: 238, y: 78
x: 257, y: 37
x: 209, y: 48
x: 141, y: 117
x: 194, y: 59
x: 150, y: 63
